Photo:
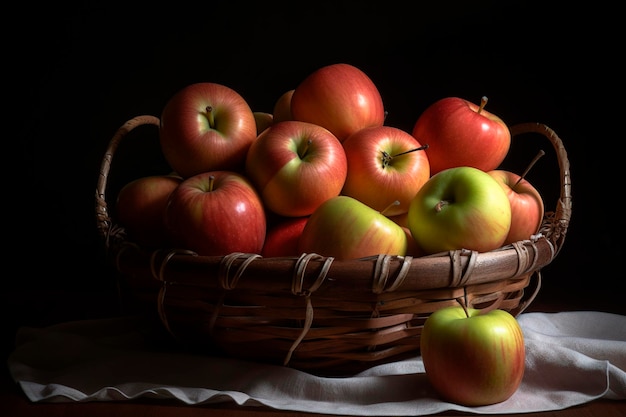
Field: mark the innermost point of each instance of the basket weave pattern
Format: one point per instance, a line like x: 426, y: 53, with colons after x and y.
x: 319, y: 314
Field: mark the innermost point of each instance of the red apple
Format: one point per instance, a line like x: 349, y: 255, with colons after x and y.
x: 282, y: 107
x: 339, y: 97
x: 345, y: 228
x: 460, y: 208
x: 216, y: 213
x: 296, y: 166
x: 471, y: 357
x: 206, y: 127
x: 140, y: 209
x: 461, y: 133
x: 385, y: 164
x: 282, y: 237
x: 527, y: 208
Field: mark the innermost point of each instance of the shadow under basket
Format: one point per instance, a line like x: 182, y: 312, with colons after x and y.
x: 316, y: 313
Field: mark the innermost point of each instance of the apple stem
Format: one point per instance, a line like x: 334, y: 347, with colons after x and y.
x: 304, y: 148
x: 395, y: 203
x: 387, y: 158
x: 483, y: 103
x: 209, y: 115
x: 529, y: 167
x: 211, y: 182
x: 440, y: 204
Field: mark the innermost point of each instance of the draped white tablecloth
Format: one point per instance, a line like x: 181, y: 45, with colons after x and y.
x: 571, y: 358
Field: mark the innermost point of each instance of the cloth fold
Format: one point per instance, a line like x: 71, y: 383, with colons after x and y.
x: 571, y: 358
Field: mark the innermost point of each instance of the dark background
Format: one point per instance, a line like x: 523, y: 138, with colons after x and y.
x: 78, y: 73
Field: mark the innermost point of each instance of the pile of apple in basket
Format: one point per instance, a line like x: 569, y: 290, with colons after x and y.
x: 324, y: 174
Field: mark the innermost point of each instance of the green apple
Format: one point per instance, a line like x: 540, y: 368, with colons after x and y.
x: 460, y: 208
x: 345, y: 228
x: 472, y: 357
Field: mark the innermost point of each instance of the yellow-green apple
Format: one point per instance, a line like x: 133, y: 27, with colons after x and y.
x: 282, y: 237
x: 339, y: 97
x: 471, y: 357
x: 206, y: 127
x: 345, y: 228
x: 527, y: 208
x: 282, y: 107
x: 385, y: 164
x: 459, y: 132
x: 216, y: 213
x: 460, y: 208
x: 263, y: 120
x: 140, y: 209
x: 295, y: 166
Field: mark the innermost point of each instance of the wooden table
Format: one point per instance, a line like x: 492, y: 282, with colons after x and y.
x: 66, y: 306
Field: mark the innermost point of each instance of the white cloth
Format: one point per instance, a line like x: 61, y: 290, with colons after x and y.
x: 571, y: 358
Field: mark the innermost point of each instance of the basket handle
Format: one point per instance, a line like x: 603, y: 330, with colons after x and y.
x: 103, y: 221
x: 556, y: 222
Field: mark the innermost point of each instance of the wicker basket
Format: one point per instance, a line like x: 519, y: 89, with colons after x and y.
x: 318, y: 314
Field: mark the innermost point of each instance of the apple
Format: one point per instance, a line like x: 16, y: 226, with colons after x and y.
x: 473, y: 357
x: 295, y: 166
x: 412, y: 248
x: 282, y: 107
x: 402, y: 219
x: 461, y: 133
x: 345, y: 228
x: 385, y: 164
x: 206, y: 127
x: 216, y: 213
x: 527, y: 208
x: 262, y: 120
x: 282, y: 237
x: 460, y: 208
x: 339, y: 97
x: 140, y: 208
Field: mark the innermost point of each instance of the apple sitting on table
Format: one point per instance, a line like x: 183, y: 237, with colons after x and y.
x: 460, y: 208
x: 472, y: 357
x: 461, y: 133
x: 206, y: 127
x: 140, y: 208
x: 216, y: 213
x: 385, y: 164
x: 283, y: 236
x: 339, y: 97
x: 345, y: 228
x: 295, y: 166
